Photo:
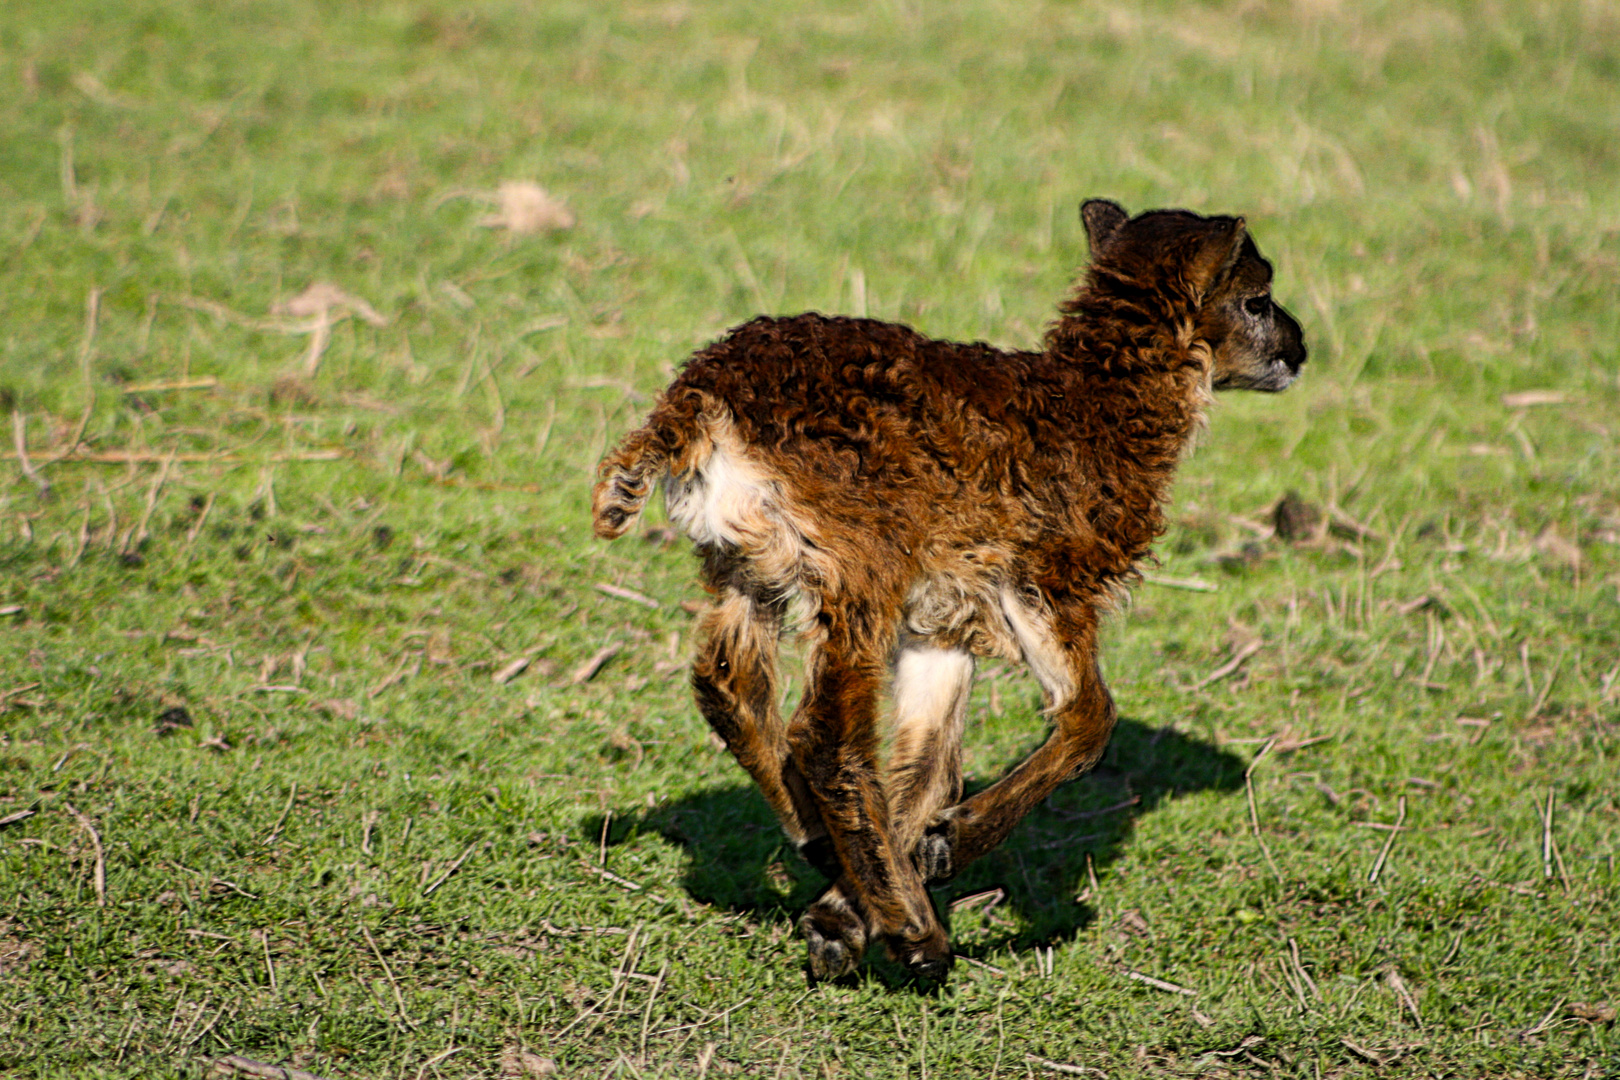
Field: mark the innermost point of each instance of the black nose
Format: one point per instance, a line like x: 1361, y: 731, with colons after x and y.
x: 1294, y: 335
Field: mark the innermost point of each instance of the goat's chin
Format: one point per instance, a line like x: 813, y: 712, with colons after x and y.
x: 1273, y: 379
x: 1280, y: 378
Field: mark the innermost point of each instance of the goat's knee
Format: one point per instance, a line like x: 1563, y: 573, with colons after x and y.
x: 817, y: 744
x: 716, y: 698
x: 732, y: 680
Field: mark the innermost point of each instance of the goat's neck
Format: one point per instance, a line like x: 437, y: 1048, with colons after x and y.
x: 1140, y: 394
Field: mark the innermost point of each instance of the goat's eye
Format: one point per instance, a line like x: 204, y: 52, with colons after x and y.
x: 1257, y: 305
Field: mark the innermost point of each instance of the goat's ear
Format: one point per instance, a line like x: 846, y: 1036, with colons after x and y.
x: 1102, y: 219
x: 1217, y: 254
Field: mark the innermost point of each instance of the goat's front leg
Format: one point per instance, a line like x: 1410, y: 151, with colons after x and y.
x: 880, y: 893
x: 1083, y: 715
x: 931, y: 689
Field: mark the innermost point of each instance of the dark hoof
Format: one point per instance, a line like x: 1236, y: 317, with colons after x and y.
x: 836, y: 937
x: 827, y: 960
x: 934, y: 855
x: 935, y: 967
x: 927, y: 953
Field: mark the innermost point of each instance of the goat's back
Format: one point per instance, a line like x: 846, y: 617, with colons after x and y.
x: 870, y: 409
x: 868, y: 434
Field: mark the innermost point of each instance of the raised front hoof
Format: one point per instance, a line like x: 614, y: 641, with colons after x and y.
x: 935, y: 855
x: 836, y: 940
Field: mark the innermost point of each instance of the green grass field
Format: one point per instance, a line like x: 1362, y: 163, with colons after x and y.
x: 298, y: 761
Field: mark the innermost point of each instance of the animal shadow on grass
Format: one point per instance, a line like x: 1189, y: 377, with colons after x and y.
x: 740, y: 860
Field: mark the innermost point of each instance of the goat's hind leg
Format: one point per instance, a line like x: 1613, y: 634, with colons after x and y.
x: 930, y: 689
x: 735, y: 682
x: 834, y: 741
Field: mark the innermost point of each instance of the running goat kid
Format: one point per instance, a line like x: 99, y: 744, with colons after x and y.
x: 908, y: 505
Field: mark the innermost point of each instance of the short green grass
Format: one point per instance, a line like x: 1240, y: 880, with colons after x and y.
x: 368, y: 857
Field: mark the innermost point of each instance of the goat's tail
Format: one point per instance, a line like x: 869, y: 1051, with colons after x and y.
x: 625, y: 480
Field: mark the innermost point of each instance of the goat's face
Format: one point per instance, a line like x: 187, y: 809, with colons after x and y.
x: 1254, y: 343
x: 1210, y: 264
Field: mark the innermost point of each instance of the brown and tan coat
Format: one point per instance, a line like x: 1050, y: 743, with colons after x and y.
x: 906, y: 506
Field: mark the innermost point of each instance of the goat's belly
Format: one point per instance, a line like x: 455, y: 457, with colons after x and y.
x: 961, y: 611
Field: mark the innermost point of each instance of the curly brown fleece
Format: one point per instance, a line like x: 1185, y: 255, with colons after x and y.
x: 907, y: 505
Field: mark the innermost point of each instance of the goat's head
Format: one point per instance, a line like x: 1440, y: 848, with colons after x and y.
x: 1217, y: 280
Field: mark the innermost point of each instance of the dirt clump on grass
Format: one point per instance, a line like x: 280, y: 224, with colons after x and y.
x: 519, y: 1064
x: 294, y: 392
x: 16, y: 951
x: 527, y: 208
x: 1295, y: 519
